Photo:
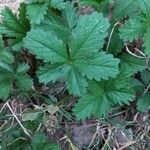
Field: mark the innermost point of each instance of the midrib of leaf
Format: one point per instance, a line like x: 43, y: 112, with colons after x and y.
x: 86, y: 39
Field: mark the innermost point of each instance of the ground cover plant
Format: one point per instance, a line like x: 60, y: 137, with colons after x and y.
x: 75, y: 75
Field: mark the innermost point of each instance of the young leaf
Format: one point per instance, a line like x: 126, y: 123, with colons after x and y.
x: 144, y: 103
x: 13, y: 27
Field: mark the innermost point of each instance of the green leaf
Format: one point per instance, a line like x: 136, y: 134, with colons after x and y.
x: 145, y: 6
x: 40, y: 142
x: 5, y: 87
x: 58, y: 4
x: 145, y: 76
x: 116, y: 44
x: 100, y: 66
x: 75, y: 83
x: 102, y: 96
x: 36, y: 12
x: 5, y: 55
x: 133, y: 29
x: 54, y: 23
x: 146, y: 42
x: 123, y: 8
x: 24, y: 82
x: 88, y: 36
x: 143, y: 103
x: 13, y: 27
x: 43, y: 45
x: 52, y: 72
x: 134, y: 64
x: 91, y: 2
x: 22, y: 68
x: 30, y: 115
x: 70, y: 15
x: 6, y: 67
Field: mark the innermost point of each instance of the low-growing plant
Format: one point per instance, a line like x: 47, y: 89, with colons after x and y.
x: 99, y: 58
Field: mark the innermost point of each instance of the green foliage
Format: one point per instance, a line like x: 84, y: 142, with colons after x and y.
x: 51, y: 43
x: 103, y: 95
x: 144, y: 103
x: 10, y: 74
x: 69, y: 62
x: 138, y: 27
x: 14, y: 27
x: 40, y: 142
x: 123, y: 8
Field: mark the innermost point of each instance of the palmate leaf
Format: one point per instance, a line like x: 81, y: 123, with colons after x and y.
x: 13, y: 27
x: 83, y: 59
x: 102, y: 96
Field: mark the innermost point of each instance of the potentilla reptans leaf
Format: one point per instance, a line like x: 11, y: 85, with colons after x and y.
x: 102, y: 96
x: 75, y: 60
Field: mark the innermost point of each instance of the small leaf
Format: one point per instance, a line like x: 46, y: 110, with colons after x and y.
x: 31, y: 115
x: 134, y: 64
x: 144, y: 103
